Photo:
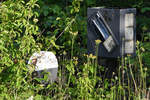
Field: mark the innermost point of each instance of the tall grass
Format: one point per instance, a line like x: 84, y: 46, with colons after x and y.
x: 87, y: 80
x: 82, y: 78
x: 129, y: 83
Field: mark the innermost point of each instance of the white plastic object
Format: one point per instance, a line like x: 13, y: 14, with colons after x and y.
x: 43, y: 60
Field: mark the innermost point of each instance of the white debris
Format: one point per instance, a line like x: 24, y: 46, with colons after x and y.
x: 30, y: 98
x: 43, y: 60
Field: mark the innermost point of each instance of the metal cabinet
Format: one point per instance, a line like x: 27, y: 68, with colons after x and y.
x: 115, y: 27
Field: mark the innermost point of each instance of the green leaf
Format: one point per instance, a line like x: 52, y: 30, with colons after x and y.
x: 143, y: 10
x: 45, y: 13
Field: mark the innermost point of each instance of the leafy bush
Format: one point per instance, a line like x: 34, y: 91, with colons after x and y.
x: 18, y: 28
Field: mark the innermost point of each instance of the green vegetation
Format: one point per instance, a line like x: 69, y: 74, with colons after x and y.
x: 27, y: 26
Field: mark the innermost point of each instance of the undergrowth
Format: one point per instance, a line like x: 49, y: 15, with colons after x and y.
x: 30, y: 26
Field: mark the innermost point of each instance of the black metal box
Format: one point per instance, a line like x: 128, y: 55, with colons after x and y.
x: 121, y: 26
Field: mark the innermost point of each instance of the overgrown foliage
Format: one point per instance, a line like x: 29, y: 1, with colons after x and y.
x: 17, y: 30
x: 28, y: 26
